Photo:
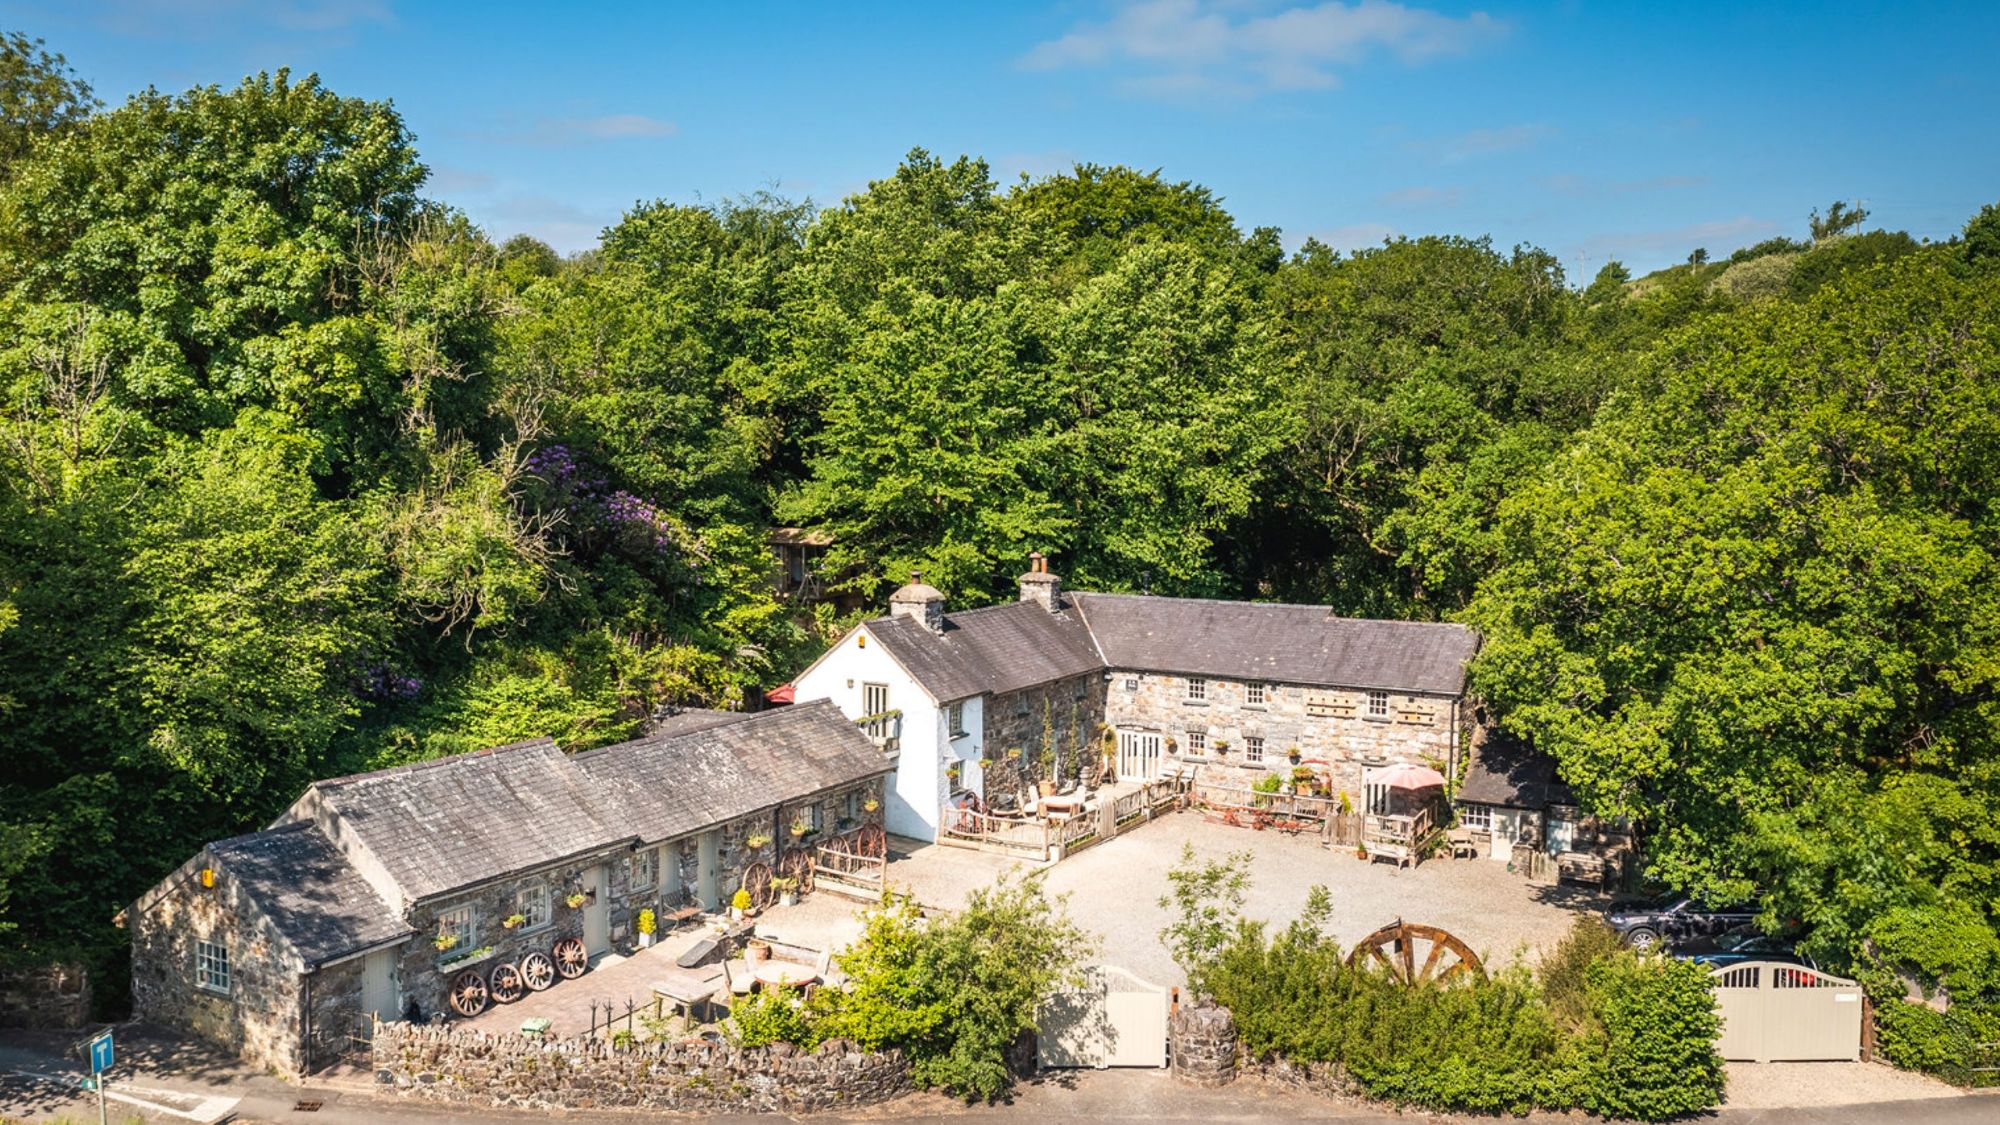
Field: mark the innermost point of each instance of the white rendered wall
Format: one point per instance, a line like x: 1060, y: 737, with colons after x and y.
x: 917, y: 788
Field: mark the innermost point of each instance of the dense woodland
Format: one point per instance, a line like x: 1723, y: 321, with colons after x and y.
x: 302, y: 473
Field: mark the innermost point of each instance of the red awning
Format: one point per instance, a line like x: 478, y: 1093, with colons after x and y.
x: 780, y: 694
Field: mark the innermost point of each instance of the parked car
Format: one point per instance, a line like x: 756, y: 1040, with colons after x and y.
x: 1735, y: 946
x: 1646, y: 926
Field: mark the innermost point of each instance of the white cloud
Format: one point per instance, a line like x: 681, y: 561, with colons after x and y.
x: 1483, y: 142
x: 1717, y: 235
x: 1354, y: 236
x: 564, y: 226
x: 560, y: 132
x: 1190, y: 48
x: 447, y: 179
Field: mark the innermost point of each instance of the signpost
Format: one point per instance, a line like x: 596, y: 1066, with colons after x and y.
x: 100, y: 1061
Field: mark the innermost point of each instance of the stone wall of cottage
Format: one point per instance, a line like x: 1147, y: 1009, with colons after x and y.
x: 1070, y: 710
x: 1330, y: 727
x: 842, y: 809
x: 442, y: 1065
x: 258, y: 1018
x: 425, y: 972
x: 51, y: 997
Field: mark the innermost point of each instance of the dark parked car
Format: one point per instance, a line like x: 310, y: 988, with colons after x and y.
x: 1646, y: 926
x: 1740, y: 945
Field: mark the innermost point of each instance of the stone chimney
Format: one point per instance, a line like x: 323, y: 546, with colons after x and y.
x: 1040, y: 586
x: 916, y: 600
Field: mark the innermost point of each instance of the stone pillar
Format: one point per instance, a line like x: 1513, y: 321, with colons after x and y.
x: 1202, y: 1040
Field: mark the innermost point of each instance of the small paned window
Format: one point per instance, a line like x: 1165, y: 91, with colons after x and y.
x: 1378, y: 704
x: 852, y: 808
x: 535, y: 905
x: 1197, y: 688
x: 1197, y: 743
x: 1476, y: 816
x: 1253, y: 693
x: 1131, y: 685
x: 211, y: 966
x: 458, y: 923
x: 1253, y: 748
x: 645, y: 869
x: 955, y: 719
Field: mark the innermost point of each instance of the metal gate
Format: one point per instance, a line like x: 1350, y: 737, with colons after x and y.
x: 1774, y: 1012
x: 1112, y: 1019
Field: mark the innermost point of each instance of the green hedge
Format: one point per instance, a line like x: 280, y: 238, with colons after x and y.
x: 1625, y: 1036
x: 1956, y: 1045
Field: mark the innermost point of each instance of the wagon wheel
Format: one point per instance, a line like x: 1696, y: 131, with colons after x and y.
x: 537, y: 972
x: 506, y: 983
x: 871, y: 840
x: 572, y: 960
x: 1415, y: 954
x: 757, y: 880
x: 797, y: 863
x: 468, y: 993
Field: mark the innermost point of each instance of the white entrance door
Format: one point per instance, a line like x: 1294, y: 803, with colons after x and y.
x: 596, y: 912
x: 708, y: 869
x: 1138, y: 755
x: 379, y: 996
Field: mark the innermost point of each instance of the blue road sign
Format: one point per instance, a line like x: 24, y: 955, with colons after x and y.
x: 100, y: 1053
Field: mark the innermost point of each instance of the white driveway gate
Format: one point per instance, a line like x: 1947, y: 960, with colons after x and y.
x: 1114, y: 1019
x: 1773, y: 1012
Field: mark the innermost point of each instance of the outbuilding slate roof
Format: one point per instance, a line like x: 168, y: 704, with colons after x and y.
x: 321, y: 906
x: 1508, y: 771
x: 999, y: 648
x: 453, y: 822
x: 1294, y: 644
x: 671, y: 785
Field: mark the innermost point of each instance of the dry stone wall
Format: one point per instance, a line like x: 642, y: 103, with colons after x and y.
x: 53, y: 997
x: 443, y: 1065
x: 1202, y: 1041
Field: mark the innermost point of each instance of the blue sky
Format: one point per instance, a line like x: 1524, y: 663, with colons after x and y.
x: 1637, y: 131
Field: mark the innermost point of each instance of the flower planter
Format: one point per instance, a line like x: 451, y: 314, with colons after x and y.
x: 755, y: 952
x: 454, y: 964
x: 788, y: 898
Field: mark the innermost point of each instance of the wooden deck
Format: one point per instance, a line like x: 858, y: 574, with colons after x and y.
x: 1045, y: 839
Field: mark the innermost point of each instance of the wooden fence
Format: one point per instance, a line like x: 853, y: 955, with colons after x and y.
x: 1242, y: 806
x: 1041, y: 839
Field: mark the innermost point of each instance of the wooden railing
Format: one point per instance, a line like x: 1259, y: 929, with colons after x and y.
x: 851, y: 870
x: 1044, y: 839
x: 1292, y: 812
x: 1017, y: 835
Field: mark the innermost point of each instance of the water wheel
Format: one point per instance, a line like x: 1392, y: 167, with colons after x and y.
x: 757, y: 880
x: 1415, y: 954
x: 537, y: 971
x: 797, y: 863
x: 468, y: 993
x: 505, y: 983
x: 572, y: 960
x: 871, y: 840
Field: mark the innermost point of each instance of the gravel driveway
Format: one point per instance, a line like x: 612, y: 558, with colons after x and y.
x: 1115, y: 888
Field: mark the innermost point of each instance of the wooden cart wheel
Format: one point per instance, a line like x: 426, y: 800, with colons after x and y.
x: 757, y: 880
x: 505, y: 982
x: 1415, y: 954
x: 872, y: 840
x: 537, y: 972
x: 797, y: 863
x: 572, y: 960
x: 468, y: 993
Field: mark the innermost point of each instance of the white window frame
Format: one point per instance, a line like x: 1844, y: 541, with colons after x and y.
x: 211, y: 967
x: 535, y: 902
x: 645, y: 860
x: 954, y: 720
x: 1131, y: 683
x: 1254, y: 694
x: 1197, y: 689
x: 1253, y: 748
x: 463, y: 923
x: 1197, y: 744
x: 1378, y: 705
x: 1478, y: 818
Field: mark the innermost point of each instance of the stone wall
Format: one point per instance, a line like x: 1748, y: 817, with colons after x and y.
x: 1330, y: 727
x: 424, y: 972
x: 53, y: 997
x: 439, y: 1064
x: 1070, y: 709
x: 259, y: 1017
x: 1201, y: 1039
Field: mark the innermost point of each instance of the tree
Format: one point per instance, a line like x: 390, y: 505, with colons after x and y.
x: 40, y: 96
x: 1839, y: 219
x: 1207, y: 901
x: 1981, y: 241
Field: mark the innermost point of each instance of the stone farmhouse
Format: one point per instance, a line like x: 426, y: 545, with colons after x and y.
x: 1038, y: 688
x: 373, y: 894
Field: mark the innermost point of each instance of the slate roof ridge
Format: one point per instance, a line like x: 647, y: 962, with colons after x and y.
x: 437, y: 763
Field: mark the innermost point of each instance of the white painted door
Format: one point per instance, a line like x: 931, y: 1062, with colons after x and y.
x: 1506, y: 826
x: 1138, y: 755
x: 971, y: 778
x: 596, y: 912
x: 708, y: 869
x: 379, y: 995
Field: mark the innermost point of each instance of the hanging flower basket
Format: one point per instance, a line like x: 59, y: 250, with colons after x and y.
x: 576, y: 901
x: 757, y: 841
x: 443, y: 942
x: 801, y: 829
x: 871, y: 805
x: 514, y: 921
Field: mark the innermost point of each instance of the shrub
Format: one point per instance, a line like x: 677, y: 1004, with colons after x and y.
x: 1658, y: 1057
x: 767, y: 1017
x: 1565, y: 971
x: 1950, y: 1044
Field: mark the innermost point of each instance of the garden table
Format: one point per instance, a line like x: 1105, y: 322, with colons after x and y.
x: 783, y: 974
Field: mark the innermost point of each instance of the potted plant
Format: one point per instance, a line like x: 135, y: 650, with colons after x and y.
x: 739, y: 905
x: 648, y: 925
x: 514, y: 921
x: 575, y: 900
x: 1361, y: 850
x: 871, y: 805
x: 985, y: 763
x: 444, y: 942
x: 1293, y: 754
x: 756, y: 840
x: 801, y: 829
x: 1013, y: 753
x: 757, y: 949
x: 788, y: 890
x: 1222, y: 748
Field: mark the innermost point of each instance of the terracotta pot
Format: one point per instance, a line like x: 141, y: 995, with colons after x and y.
x: 1048, y: 788
x: 757, y: 951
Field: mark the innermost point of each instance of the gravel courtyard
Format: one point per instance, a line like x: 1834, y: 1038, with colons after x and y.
x: 1115, y: 888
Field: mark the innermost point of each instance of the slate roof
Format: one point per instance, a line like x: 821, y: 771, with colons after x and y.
x: 1508, y: 771
x: 310, y: 894
x: 688, y: 720
x: 1294, y: 644
x: 441, y: 825
x: 670, y: 785
x: 999, y: 648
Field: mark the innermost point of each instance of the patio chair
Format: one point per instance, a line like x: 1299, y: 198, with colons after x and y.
x: 1462, y: 843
